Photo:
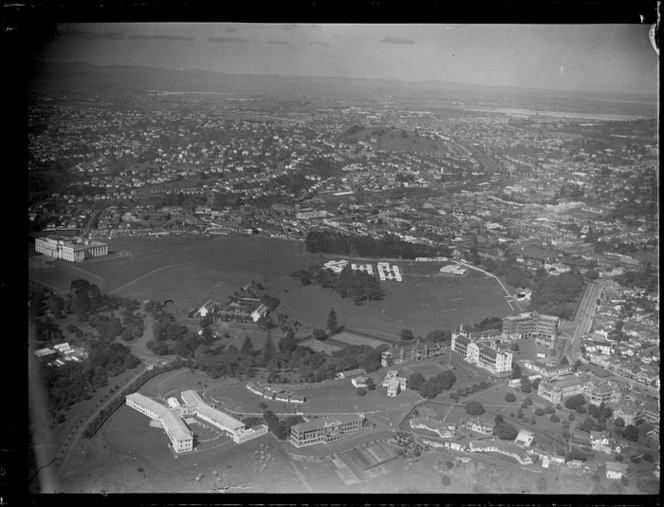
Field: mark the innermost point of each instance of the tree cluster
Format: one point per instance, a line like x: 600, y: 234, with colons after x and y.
x: 390, y: 246
x: 356, y: 285
x: 437, y: 384
x: 281, y: 427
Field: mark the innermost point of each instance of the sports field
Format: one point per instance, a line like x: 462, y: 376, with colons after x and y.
x: 319, y: 346
x: 354, y: 339
x: 434, y: 303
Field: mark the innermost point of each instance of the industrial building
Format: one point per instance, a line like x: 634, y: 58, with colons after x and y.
x: 73, y: 249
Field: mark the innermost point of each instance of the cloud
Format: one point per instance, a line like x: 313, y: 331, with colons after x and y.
x: 222, y: 40
x: 230, y: 29
x: 280, y: 42
x: 288, y: 27
x: 319, y: 43
x: 390, y: 39
x: 141, y: 36
x: 73, y: 32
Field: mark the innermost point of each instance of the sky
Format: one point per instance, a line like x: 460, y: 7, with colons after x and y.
x: 571, y: 57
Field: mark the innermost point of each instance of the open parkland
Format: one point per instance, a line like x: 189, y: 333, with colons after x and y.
x: 127, y: 454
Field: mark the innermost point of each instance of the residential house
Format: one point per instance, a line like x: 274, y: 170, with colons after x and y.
x: 615, y: 470
x: 480, y: 426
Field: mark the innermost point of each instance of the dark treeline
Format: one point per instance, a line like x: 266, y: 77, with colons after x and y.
x: 389, y: 247
x: 357, y: 285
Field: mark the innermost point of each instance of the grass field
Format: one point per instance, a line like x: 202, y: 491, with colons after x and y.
x: 436, y: 303
x: 192, y: 270
x: 354, y: 339
x: 427, y: 369
x: 319, y: 346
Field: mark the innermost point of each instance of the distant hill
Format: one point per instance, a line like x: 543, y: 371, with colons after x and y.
x: 141, y: 79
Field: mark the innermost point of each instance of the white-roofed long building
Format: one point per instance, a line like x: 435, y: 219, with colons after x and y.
x: 180, y: 435
x: 237, y: 430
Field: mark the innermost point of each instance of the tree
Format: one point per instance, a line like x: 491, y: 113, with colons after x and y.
x: 288, y: 343
x: 516, y: 372
x: 319, y: 334
x: 528, y: 400
x: 428, y: 390
x: 247, y: 347
x: 437, y: 336
x: 549, y: 409
x: 262, y: 405
x: 519, y: 413
x: 571, y: 416
x: 499, y: 419
x: 554, y: 418
x: 510, y: 397
x: 619, y: 422
x: 474, y: 408
x: 449, y: 465
x: 566, y: 434
x: 332, y: 323
x: 415, y: 381
x: 631, y: 433
x: 505, y: 431
x: 445, y: 480
x: 371, y: 385
x: 361, y: 391
x: 406, y: 335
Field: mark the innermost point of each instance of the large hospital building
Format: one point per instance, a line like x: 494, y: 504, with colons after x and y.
x: 544, y: 328
x: 171, y: 419
x: 70, y: 249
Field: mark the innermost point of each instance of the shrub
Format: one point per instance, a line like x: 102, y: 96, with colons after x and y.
x: 449, y: 465
x: 499, y: 419
x: 619, y: 421
x: 619, y: 457
x: 509, y: 397
x: 524, y: 405
x: 361, y: 391
x: 571, y: 416
x: 533, y: 421
x: 550, y: 409
x: 566, y: 434
x: 541, y: 484
x: 528, y: 400
x: 635, y: 459
x: 648, y: 457
x: 445, y: 480
x: 554, y: 418
x: 519, y: 414
x: 474, y: 408
x: 581, y: 410
x: 539, y: 411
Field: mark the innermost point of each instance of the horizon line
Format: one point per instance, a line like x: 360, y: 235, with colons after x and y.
x: 654, y: 96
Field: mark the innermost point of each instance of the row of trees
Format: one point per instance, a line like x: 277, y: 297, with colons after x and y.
x: 96, y: 423
x: 390, y: 246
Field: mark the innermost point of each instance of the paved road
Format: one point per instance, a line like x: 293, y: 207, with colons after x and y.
x: 67, y: 453
x: 584, y: 318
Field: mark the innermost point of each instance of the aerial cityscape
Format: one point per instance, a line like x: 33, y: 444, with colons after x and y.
x: 344, y: 259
